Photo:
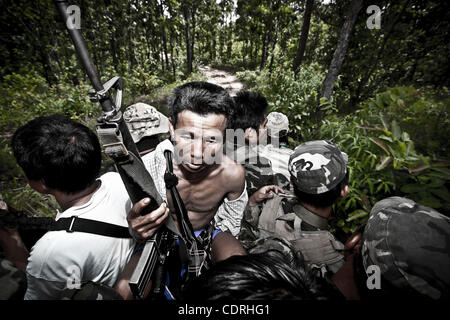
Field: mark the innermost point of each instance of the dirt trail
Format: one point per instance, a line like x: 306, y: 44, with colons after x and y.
x: 222, y: 78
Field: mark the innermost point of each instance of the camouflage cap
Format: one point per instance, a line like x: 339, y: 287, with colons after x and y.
x: 276, y: 123
x: 317, y: 166
x: 410, y: 243
x: 143, y: 120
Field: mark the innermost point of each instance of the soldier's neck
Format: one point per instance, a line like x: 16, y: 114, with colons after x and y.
x: 68, y: 200
x: 323, y: 212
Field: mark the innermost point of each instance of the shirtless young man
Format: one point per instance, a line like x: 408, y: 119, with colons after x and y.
x: 211, y: 185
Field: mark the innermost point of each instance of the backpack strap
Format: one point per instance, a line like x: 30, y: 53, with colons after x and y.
x: 311, y: 218
x: 267, y: 219
x: 77, y: 224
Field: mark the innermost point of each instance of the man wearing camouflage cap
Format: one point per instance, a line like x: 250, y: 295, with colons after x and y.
x: 410, y: 243
x: 319, y: 175
x: 277, y: 150
x: 403, y: 253
x: 147, y: 126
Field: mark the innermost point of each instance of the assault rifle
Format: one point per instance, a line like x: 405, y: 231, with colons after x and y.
x: 119, y: 145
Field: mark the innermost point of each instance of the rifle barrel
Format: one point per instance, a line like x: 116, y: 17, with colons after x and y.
x: 83, y: 53
x: 81, y: 49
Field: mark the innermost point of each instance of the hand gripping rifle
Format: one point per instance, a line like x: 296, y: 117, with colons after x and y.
x: 119, y: 145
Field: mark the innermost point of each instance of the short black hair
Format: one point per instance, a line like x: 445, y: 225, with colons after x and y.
x: 257, y: 276
x: 65, y: 154
x: 251, y: 110
x: 202, y: 98
x: 322, y: 200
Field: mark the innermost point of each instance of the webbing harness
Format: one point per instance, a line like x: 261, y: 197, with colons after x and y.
x: 193, y: 252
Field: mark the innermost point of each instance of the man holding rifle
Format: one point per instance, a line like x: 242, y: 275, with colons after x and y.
x: 211, y: 185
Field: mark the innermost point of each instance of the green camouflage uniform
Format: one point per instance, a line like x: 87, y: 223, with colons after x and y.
x: 410, y: 243
x: 258, y: 170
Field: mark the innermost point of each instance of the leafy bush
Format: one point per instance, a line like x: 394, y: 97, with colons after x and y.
x: 422, y: 113
x: 24, y: 97
x: 383, y: 162
x: 295, y: 96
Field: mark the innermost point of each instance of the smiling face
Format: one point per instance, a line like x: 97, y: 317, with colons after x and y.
x: 198, y: 139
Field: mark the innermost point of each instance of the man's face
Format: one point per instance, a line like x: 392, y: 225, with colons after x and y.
x: 198, y: 139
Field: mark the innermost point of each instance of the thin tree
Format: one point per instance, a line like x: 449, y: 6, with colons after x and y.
x: 341, y: 48
x: 303, y: 36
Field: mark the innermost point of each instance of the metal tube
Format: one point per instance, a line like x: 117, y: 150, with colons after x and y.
x: 83, y: 54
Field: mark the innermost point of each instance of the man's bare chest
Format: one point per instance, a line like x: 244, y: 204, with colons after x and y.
x: 201, y: 197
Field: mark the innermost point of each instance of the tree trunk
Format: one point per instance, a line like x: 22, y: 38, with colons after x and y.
x: 187, y: 18
x: 230, y: 41
x: 214, y: 44
x: 341, y: 48
x: 374, y: 60
x: 272, y: 54
x: 303, y: 36
x: 264, y: 52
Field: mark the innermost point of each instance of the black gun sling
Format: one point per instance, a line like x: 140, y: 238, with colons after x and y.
x: 76, y: 224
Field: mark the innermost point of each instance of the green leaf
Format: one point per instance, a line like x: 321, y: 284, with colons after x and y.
x: 405, y: 136
x: 381, y: 144
x: 430, y: 201
x: 384, y: 122
x: 385, y: 160
x: 396, y: 131
x: 411, y: 188
x: 420, y: 168
x: 441, y: 193
x: 386, y: 138
x: 436, y: 183
x: 445, y: 171
x: 357, y: 214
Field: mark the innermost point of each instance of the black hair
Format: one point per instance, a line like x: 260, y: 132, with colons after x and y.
x: 322, y: 200
x: 257, y: 276
x: 65, y: 154
x: 250, y: 110
x: 202, y: 98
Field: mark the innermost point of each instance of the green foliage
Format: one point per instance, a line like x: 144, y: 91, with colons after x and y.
x: 295, y: 96
x: 383, y: 160
x: 26, y: 96
x: 22, y: 98
x: 422, y: 113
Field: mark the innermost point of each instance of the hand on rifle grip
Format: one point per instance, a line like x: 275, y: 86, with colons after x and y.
x: 143, y: 227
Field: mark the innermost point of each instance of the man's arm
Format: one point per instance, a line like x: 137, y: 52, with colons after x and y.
x: 12, y: 244
x: 229, y: 214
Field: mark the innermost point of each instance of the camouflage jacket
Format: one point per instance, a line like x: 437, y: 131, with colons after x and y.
x: 305, y: 231
x: 258, y: 169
